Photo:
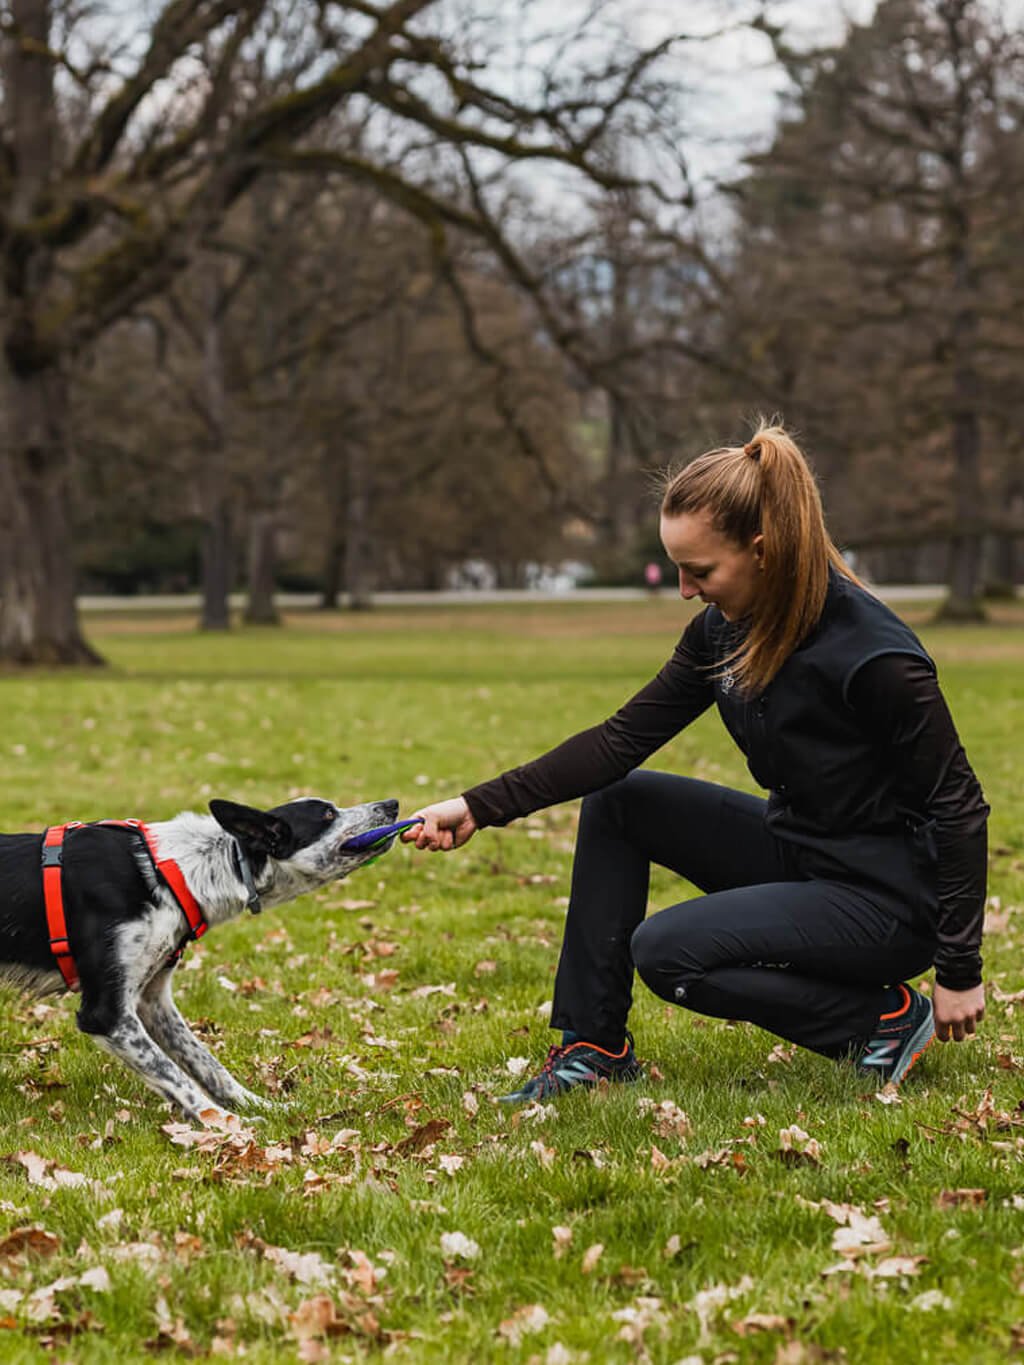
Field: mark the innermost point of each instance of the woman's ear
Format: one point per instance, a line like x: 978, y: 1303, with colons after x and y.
x: 757, y: 545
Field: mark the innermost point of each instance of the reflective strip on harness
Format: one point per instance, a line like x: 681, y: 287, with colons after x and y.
x: 53, y: 895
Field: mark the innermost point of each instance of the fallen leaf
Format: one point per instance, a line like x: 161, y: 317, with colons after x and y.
x: 422, y: 1135
x: 524, y: 1321
x: 952, y: 1199
x: 929, y: 1300
x: 562, y: 1241
x: 591, y: 1257
x: 458, y: 1244
x: 762, y: 1322
x: 32, y: 1241
x: 893, y: 1267
x: 545, y: 1155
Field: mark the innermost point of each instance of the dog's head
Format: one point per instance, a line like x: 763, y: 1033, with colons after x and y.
x: 299, y: 846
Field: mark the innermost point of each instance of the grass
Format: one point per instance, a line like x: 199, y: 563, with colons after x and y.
x: 320, y: 1237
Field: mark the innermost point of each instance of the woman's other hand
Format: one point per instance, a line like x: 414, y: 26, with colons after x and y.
x: 446, y: 825
x: 957, y: 1012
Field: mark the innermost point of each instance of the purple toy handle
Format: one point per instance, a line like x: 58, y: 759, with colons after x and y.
x: 370, y: 838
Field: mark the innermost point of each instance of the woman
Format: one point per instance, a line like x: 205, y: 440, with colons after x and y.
x: 865, y: 865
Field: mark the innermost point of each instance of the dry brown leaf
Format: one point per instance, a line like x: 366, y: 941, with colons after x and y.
x: 952, y: 1199
x: 894, y: 1267
x: 422, y: 1135
x: 668, y: 1119
x: 659, y: 1161
x: 591, y: 1257
x: 562, y: 1240
x: 762, y: 1322
x: 31, y: 1241
x: 545, y: 1155
x: 531, y: 1318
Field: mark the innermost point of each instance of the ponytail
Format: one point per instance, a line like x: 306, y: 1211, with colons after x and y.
x: 766, y: 487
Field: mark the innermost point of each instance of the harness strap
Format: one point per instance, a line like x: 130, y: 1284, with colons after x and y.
x: 52, y: 858
x: 53, y: 893
x: 172, y: 874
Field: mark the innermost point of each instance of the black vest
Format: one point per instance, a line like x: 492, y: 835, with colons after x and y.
x: 833, y: 795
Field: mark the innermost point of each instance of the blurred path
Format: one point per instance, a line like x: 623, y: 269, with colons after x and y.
x: 888, y: 592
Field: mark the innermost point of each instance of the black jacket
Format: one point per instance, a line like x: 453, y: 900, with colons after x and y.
x: 868, y: 782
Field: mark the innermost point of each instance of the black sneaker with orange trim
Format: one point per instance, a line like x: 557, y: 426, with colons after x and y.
x: 578, y: 1064
x: 900, y: 1038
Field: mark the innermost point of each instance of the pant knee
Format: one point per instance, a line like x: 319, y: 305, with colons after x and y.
x: 663, y: 963
x: 649, y: 959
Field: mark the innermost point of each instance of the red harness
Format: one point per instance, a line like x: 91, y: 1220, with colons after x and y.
x: 53, y: 857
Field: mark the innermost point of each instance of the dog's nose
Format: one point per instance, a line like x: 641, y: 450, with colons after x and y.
x: 389, y: 809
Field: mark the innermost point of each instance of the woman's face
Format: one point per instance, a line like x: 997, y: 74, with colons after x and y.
x: 711, y: 566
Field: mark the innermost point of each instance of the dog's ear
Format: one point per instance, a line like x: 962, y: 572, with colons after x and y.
x: 258, y: 830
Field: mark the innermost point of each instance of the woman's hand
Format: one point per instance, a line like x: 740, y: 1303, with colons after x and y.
x: 957, y: 1012
x: 446, y: 825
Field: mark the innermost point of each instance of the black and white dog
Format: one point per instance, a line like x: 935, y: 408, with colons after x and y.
x: 125, y: 928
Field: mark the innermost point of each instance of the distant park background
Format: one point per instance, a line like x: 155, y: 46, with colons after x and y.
x: 354, y: 298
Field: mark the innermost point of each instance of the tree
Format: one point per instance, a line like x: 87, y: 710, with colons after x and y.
x: 101, y: 209
x: 881, y: 275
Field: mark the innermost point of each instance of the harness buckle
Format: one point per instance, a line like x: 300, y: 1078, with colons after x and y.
x: 53, y: 855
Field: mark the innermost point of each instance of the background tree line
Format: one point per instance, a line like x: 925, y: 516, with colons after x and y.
x: 280, y: 302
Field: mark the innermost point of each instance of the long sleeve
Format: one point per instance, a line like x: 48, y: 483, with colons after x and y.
x: 596, y: 757
x: 898, y: 699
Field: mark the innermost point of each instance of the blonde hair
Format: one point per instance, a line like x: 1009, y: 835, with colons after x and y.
x: 765, y: 487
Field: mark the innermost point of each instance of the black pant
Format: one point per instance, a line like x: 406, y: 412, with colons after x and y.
x: 806, y: 959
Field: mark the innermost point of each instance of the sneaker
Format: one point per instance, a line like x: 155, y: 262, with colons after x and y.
x: 578, y: 1064
x: 900, y: 1038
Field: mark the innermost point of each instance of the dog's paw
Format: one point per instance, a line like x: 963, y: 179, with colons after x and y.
x: 248, y: 1102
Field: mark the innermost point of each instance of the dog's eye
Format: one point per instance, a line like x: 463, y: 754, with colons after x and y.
x: 329, y: 815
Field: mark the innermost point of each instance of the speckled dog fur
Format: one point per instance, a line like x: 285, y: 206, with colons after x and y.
x: 124, y: 926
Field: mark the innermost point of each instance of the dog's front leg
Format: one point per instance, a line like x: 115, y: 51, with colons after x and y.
x: 130, y: 1043
x: 168, y: 1029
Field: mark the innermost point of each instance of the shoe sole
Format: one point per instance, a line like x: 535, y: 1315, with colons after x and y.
x: 917, y: 1045
x: 517, y: 1096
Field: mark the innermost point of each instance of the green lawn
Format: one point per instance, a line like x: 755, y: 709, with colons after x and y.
x: 385, y: 1011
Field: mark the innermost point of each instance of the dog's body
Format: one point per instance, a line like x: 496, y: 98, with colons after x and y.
x: 125, y: 926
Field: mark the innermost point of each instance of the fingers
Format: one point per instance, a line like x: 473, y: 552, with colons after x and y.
x: 429, y: 835
x: 957, y: 1030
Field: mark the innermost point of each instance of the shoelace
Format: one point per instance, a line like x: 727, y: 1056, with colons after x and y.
x: 555, y: 1053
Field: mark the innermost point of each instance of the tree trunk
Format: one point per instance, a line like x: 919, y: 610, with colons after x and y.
x: 334, y: 562
x: 964, y: 602
x: 38, y: 615
x: 215, y: 553
x: 262, y: 562
x: 216, y: 510
x: 335, y: 473
x: 358, y: 537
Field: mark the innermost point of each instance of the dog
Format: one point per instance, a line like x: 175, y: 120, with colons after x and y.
x: 135, y: 895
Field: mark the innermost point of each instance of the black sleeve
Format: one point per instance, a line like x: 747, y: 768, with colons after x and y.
x: 898, y: 697
x: 597, y: 757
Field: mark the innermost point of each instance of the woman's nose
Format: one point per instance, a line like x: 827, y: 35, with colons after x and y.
x: 687, y: 587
